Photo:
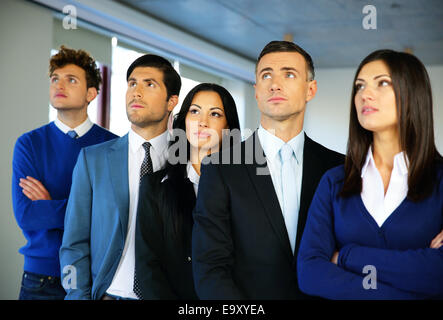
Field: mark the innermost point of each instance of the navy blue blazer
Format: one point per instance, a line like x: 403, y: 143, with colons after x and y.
x: 240, y: 246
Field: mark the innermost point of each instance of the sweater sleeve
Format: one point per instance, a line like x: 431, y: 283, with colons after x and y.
x: 38, y: 214
x: 419, y: 270
x: 317, y: 275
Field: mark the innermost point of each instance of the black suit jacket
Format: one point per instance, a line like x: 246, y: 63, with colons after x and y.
x: 241, y: 248
x: 162, y: 261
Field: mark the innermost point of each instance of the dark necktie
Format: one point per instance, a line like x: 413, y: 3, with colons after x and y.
x: 72, y: 134
x: 146, y: 168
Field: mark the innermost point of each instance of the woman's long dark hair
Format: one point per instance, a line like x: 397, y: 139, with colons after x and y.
x: 178, y: 198
x: 413, y: 98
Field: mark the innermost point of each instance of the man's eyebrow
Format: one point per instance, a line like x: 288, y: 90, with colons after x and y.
x: 66, y: 75
x: 150, y: 79
x: 71, y: 75
x: 283, y: 69
x: 290, y: 69
x: 265, y: 69
x: 144, y: 80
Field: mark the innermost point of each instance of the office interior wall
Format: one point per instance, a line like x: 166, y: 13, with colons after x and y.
x: 26, y: 38
x: 98, y: 45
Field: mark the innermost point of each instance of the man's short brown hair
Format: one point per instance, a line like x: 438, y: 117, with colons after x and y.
x: 286, y: 46
x: 81, y: 59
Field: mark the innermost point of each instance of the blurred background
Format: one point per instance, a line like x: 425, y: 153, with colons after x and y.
x: 207, y: 41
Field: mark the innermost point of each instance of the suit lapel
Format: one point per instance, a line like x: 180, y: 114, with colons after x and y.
x: 118, y: 171
x: 311, y: 167
x: 264, y: 187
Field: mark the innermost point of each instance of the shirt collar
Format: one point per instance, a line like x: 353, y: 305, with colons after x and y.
x: 81, y: 129
x: 369, y: 160
x: 192, y: 174
x: 159, y: 143
x: 271, y: 144
x: 401, y: 163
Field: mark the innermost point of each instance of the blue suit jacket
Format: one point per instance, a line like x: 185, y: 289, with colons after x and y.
x: 96, y: 220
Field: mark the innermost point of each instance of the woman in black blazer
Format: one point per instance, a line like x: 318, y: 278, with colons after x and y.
x: 167, y: 197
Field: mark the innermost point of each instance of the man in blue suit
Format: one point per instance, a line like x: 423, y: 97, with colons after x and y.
x: 97, y: 253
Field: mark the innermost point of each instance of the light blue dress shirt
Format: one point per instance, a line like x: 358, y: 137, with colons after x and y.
x: 271, y: 146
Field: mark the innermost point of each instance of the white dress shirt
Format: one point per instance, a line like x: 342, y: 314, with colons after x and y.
x: 379, y: 205
x: 81, y: 129
x: 271, y: 146
x: 193, y: 176
x: 123, y: 281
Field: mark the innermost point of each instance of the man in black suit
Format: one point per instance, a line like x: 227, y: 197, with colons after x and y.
x: 250, y: 214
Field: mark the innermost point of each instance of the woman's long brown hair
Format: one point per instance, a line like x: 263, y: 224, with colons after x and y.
x: 413, y: 98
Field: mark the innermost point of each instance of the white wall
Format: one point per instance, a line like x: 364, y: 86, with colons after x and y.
x: 26, y: 38
x: 436, y: 76
x: 248, y: 113
x: 327, y: 115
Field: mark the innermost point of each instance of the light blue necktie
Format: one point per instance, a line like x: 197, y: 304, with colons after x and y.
x: 289, y: 192
x: 72, y: 134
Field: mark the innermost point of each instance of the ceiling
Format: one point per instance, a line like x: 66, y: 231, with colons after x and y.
x: 330, y: 30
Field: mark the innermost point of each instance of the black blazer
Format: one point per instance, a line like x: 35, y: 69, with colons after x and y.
x: 162, y: 261
x: 241, y: 248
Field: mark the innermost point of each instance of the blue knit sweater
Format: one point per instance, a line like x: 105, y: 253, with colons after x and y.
x: 48, y: 155
x: 402, y: 264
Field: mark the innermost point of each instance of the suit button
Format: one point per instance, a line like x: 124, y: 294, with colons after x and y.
x: 189, y: 259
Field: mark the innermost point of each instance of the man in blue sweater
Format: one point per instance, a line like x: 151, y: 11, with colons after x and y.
x: 43, y: 162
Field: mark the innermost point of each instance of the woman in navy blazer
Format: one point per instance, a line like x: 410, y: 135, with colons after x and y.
x: 374, y: 225
x: 167, y: 197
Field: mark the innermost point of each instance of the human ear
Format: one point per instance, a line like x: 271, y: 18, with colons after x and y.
x: 312, y: 90
x: 172, y: 102
x: 91, y: 94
